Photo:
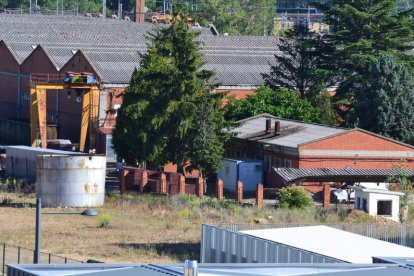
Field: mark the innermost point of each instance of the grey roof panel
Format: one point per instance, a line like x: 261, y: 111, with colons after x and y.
x: 293, y: 133
x: 238, y: 60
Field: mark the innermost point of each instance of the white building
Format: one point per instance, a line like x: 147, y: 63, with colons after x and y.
x: 378, y: 202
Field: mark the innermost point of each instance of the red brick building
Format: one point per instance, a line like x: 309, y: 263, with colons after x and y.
x: 287, y: 143
x: 109, y: 49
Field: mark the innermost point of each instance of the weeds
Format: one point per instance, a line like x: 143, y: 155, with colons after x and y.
x: 104, y: 220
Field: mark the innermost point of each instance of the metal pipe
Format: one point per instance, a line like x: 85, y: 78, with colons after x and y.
x: 37, y: 241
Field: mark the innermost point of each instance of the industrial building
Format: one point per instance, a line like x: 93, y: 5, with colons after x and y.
x: 110, y: 49
x: 313, y: 154
x: 315, y: 244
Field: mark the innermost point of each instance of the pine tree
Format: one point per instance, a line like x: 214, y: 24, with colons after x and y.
x: 300, y: 64
x: 160, y: 118
x: 362, y: 31
x: 385, y: 102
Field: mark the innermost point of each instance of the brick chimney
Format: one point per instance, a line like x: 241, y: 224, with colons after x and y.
x: 139, y: 11
x: 277, y: 127
x: 268, y: 125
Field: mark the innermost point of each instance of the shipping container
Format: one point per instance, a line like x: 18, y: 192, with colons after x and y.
x: 250, y: 172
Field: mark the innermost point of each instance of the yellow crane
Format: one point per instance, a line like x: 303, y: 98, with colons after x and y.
x: 85, y: 82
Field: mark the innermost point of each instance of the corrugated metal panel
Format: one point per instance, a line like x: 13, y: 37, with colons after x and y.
x: 225, y: 246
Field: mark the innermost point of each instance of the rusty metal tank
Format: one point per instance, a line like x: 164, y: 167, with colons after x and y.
x: 71, y: 181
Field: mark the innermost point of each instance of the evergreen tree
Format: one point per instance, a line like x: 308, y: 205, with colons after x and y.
x: 362, y: 31
x: 168, y: 108
x: 385, y: 102
x: 300, y: 63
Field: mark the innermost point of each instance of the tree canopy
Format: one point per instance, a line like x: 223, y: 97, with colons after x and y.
x: 301, y: 63
x: 362, y: 31
x: 168, y: 113
x: 385, y: 102
x: 281, y: 102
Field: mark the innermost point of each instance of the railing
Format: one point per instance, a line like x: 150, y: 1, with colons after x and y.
x: 11, y: 254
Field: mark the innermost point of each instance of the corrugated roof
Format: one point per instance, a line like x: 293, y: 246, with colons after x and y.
x: 290, y: 175
x: 237, y: 60
x: 292, y: 134
x: 334, y: 243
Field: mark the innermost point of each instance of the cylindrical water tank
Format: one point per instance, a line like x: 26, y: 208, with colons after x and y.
x: 71, y: 181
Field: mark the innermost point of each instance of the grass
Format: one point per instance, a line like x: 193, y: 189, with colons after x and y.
x: 142, y: 228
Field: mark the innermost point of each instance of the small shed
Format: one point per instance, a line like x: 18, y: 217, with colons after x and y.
x: 250, y: 172
x: 378, y: 202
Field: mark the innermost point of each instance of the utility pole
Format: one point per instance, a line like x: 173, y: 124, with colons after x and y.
x: 30, y: 6
x: 36, y: 7
x: 57, y: 7
x: 119, y: 10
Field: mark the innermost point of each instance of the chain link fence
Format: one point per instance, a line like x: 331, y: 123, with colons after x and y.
x: 11, y: 254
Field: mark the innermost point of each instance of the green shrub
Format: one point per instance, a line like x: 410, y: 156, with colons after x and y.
x: 104, y: 220
x: 294, y: 197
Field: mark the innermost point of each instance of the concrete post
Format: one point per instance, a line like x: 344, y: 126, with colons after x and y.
x: 181, y: 184
x: 239, y: 191
x: 259, y: 196
x: 219, y: 189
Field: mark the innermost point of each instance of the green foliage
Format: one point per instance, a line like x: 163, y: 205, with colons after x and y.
x: 281, y: 103
x: 400, y: 182
x: 104, y: 220
x: 301, y: 64
x: 168, y: 113
x: 247, y: 17
x: 294, y: 197
x: 363, y: 30
x: 385, y: 103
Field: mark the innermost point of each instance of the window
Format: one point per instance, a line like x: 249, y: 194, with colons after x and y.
x: 358, y: 203
x: 384, y: 207
x: 364, y: 205
x: 116, y: 107
x: 288, y: 163
x: 227, y: 170
x: 267, y: 163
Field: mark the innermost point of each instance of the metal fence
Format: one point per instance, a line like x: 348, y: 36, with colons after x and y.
x: 11, y: 254
x: 223, y: 244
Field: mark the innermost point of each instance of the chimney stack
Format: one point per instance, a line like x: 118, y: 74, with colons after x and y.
x: 277, y: 127
x: 139, y: 11
x: 268, y: 125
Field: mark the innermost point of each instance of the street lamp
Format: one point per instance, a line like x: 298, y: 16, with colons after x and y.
x: 87, y: 212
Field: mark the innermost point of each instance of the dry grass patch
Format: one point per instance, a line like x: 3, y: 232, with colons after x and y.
x: 144, y: 228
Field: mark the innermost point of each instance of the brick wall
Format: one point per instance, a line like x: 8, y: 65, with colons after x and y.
x: 8, y: 82
x: 357, y: 149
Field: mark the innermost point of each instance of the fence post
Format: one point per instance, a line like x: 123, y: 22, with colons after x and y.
x: 219, y: 189
x: 143, y: 181
x: 181, y: 184
x: 259, y: 196
x: 4, y: 257
x: 122, y: 180
x: 163, y: 183
x: 200, y: 187
x: 239, y: 191
x: 18, y: 254
x: 326, y: 196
